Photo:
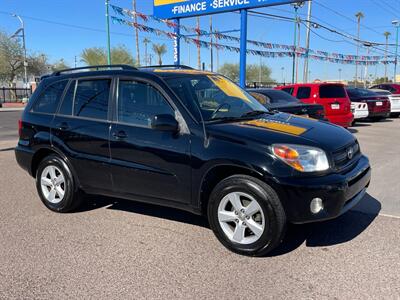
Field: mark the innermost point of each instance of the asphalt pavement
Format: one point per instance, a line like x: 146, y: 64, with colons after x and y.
x: 115, y: 248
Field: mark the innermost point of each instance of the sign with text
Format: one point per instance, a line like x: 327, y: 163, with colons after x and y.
x: 172, y: 9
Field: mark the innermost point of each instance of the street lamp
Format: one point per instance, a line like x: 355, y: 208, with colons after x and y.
x: 22, y: 29
x: 296, y: 6
x: 283, y: 75
x: 340, y: 74
x: 396, y: 24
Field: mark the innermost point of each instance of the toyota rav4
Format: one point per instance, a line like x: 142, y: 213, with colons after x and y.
x: 187, y: 139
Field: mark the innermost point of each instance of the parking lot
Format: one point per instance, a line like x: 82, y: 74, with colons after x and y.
x: 114, y: 248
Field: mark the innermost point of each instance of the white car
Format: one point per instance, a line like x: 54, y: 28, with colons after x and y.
x: 359, y: 110
x: 394, y: 101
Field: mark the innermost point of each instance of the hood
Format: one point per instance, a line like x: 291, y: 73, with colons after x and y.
x: 285, y: 128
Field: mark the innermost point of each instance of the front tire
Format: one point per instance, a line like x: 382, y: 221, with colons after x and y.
x: 56, y: 186
x: 246, y: 215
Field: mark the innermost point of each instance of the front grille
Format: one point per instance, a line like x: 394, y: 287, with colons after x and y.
x: 343, y: 156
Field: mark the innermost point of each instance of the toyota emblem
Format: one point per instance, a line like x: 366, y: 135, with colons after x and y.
x: 350, y: 153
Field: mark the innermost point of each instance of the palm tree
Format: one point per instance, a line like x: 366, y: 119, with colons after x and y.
x: 145, y: 42
x: 359, y: 16
x: 94, y: 56
x: 386, y: 34
x: 160, y: 50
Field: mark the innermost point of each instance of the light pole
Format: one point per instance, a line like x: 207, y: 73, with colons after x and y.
x: 396, y: 23
x: 108, y: 32
x: 24, y: 46
x: 308, y: 33
x: 340, y: 74
x: 296, y: 6
x: 283, y: 75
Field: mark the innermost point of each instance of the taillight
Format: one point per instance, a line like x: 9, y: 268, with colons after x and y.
x: 19, y: 127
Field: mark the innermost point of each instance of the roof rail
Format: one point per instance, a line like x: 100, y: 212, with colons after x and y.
x: 71, y: 70
x: 167, y: 67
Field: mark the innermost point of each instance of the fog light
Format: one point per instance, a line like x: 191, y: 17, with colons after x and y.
x: 316, y: 205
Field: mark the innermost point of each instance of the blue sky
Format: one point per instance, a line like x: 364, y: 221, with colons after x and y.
x: 62, y: 28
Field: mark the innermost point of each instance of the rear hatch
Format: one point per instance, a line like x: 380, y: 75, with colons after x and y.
x: 334, y: 98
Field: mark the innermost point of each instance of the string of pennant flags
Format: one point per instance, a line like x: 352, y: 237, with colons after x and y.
x: 290, y: 51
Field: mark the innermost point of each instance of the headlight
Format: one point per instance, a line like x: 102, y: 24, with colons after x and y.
x: 302, y: 158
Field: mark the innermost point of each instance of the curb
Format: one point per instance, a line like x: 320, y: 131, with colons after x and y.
x: 8, y: 145
x: 8, y: 109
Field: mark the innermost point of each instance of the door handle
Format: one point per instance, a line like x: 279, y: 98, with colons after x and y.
x: 63, y: 126
x: 120, y: 135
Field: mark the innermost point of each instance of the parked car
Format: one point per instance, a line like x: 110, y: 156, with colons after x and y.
x: 332, y: 96
x: 191, y: 140
x: 394, y: 101
x: 394, y: 88
x: 359, y: 110
x: 378, y: 105
x: 282, y: 101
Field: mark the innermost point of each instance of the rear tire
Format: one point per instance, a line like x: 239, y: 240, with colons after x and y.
x: 56, y: 185
x: 246, y: 215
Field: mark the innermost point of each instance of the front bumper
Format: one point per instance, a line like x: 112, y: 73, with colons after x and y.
x: 339, y: 193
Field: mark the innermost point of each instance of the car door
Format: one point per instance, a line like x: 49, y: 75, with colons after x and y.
x: 81, y: 130
x: 147, y: 163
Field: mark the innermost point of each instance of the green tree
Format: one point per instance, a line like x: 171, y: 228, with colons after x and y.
x: 60, y: 65
x: 254, y: 72
x: 98, y: 56
x: 38, y: 64
x: 159, y: 50
x: 11, y: 58
x: 381, y: 80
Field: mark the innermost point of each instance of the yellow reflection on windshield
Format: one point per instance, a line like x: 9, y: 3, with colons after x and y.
x: 228, y: 87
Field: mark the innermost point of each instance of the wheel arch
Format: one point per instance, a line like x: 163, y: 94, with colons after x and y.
x: 43, y: 152
x: 217, y: 173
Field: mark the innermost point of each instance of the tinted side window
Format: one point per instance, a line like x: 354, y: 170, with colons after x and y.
x: 332, y: 91
x: 288, y: 90
x: 91, y: 98
x: 303, y: 92
x: 66, y: 106
x: 139, y: 102
x: 48, y: 100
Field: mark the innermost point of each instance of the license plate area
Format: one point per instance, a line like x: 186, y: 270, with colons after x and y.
x: 379, y: 103
x: 335, y: 106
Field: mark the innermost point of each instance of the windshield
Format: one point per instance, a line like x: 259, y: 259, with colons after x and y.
x: 216, y: 96
x: 355, y: 92
x: 276, y: 97
x: 332, y: 91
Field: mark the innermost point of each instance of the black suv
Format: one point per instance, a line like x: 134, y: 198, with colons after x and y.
x: 192, y: 140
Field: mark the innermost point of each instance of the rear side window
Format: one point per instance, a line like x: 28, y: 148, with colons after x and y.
x: 303, y: 92
x: 332, y: 91
x: 48, y: 100
x: 91, y: 98
x: 66, y: 105
x: 139, y: 102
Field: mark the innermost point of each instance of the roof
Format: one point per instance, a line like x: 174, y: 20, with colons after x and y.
x: 161, y: 71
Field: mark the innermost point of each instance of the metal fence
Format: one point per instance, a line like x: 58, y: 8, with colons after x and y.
x: 270, y: 84
x: 14, y: 94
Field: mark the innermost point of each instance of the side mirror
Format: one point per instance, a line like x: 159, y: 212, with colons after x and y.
x: 165, y: 122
